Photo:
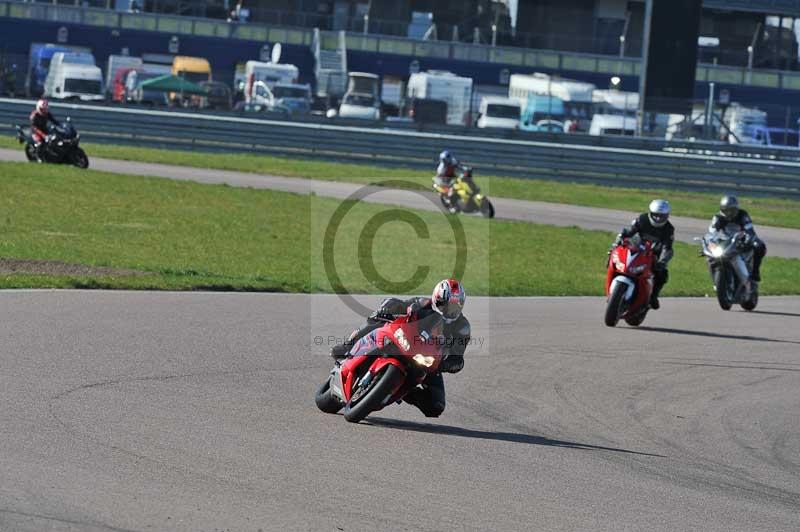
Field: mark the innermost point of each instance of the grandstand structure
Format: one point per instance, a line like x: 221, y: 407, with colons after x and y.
x: 178, y: 28
x: 759, y: 33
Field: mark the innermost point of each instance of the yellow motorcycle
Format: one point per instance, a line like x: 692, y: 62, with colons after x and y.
x: 466, y: 197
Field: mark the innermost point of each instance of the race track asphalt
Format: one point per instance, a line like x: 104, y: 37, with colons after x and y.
x: 194, y: 411
x: 781, y: 242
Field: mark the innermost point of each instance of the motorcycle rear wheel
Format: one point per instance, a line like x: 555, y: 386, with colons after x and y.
x: 326, y: 401
x: 614, y: 305
x: 377, y: 391
x: 30, y: 152
x: 487, y: 209
x: 750, y: 304
x: 635, y: 321
x: 80, y: 159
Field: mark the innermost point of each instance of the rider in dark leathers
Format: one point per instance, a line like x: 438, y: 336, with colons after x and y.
x: 653, y: 226
x: 730, y: 213
x: 430, y: 397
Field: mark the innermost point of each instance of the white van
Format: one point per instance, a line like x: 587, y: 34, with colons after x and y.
x: 613, y: 125
x: 454, y: 90
x: 74, y: 75
x: 498, y: 112
x: 269, y: 74
x: 363, y: 97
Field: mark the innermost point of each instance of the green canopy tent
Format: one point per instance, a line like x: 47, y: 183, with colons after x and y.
x: 170, y: 83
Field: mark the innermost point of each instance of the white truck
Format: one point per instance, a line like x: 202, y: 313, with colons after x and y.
x: 362, y: 100
x: 499, y: 113
x: 74, y: 75
x: 576, y: 95
x: 454, y: 90
x: 269, y: 74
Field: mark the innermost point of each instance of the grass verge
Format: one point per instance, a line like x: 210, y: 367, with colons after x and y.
x: 187, y: 236
x: 765, y: 211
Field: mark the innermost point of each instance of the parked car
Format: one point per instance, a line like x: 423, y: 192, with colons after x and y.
x: 219, y: 96
x: 360, y: 106
x: 777, y: 137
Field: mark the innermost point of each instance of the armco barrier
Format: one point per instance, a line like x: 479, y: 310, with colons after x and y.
x: 630, y: 162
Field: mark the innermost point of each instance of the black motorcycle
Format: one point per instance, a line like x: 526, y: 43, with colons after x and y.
x: 61, y: 146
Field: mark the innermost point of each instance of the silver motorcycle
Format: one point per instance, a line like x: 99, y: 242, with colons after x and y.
x: 729, y: 253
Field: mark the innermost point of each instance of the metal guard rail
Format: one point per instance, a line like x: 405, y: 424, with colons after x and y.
x: 577, y: 158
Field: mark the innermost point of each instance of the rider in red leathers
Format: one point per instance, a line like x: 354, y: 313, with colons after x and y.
x: 41, y: 118
x: 446, y: 303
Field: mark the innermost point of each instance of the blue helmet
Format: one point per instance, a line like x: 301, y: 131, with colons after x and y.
x: 446, y: 157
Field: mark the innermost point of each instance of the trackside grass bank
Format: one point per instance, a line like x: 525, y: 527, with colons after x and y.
x: 63, y: 227
x: 765, y: 211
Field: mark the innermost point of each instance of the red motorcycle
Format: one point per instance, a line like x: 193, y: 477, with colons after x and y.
x: 629, y: 282
x: 383, y: 367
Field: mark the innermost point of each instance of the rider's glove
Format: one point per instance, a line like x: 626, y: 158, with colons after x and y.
x: 383, y: 315
x: 660, y: 266
x: 413, y: 308
x: 452, y: 364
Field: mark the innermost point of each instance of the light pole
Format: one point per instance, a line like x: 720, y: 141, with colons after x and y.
x: 648, y: 23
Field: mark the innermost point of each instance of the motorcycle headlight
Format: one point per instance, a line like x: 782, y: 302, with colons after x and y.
x: 60, y: 142
x: 716, y: 250
x: 423, y: 360
x: 638, y: 269
x: 620, y: 267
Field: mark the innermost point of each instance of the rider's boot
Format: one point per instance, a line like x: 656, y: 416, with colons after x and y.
x: 654, y: 303
x: 756, y: 270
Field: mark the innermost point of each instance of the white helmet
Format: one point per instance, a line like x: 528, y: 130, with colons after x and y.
x: 448, y: 299
x: 659, y: 212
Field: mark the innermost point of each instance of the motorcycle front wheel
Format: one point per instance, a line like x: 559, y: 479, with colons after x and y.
x: 363, y: 402
x: 325, y: 400
x: 723, y: 282
x: 80, y: 159
x: 614, y: 305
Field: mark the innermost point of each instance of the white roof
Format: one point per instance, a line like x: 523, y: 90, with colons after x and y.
x: 617, y: 99
x: 567, y: 89
x: 614, y: 122
x: 363, y: 75
x: 500, y: 100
